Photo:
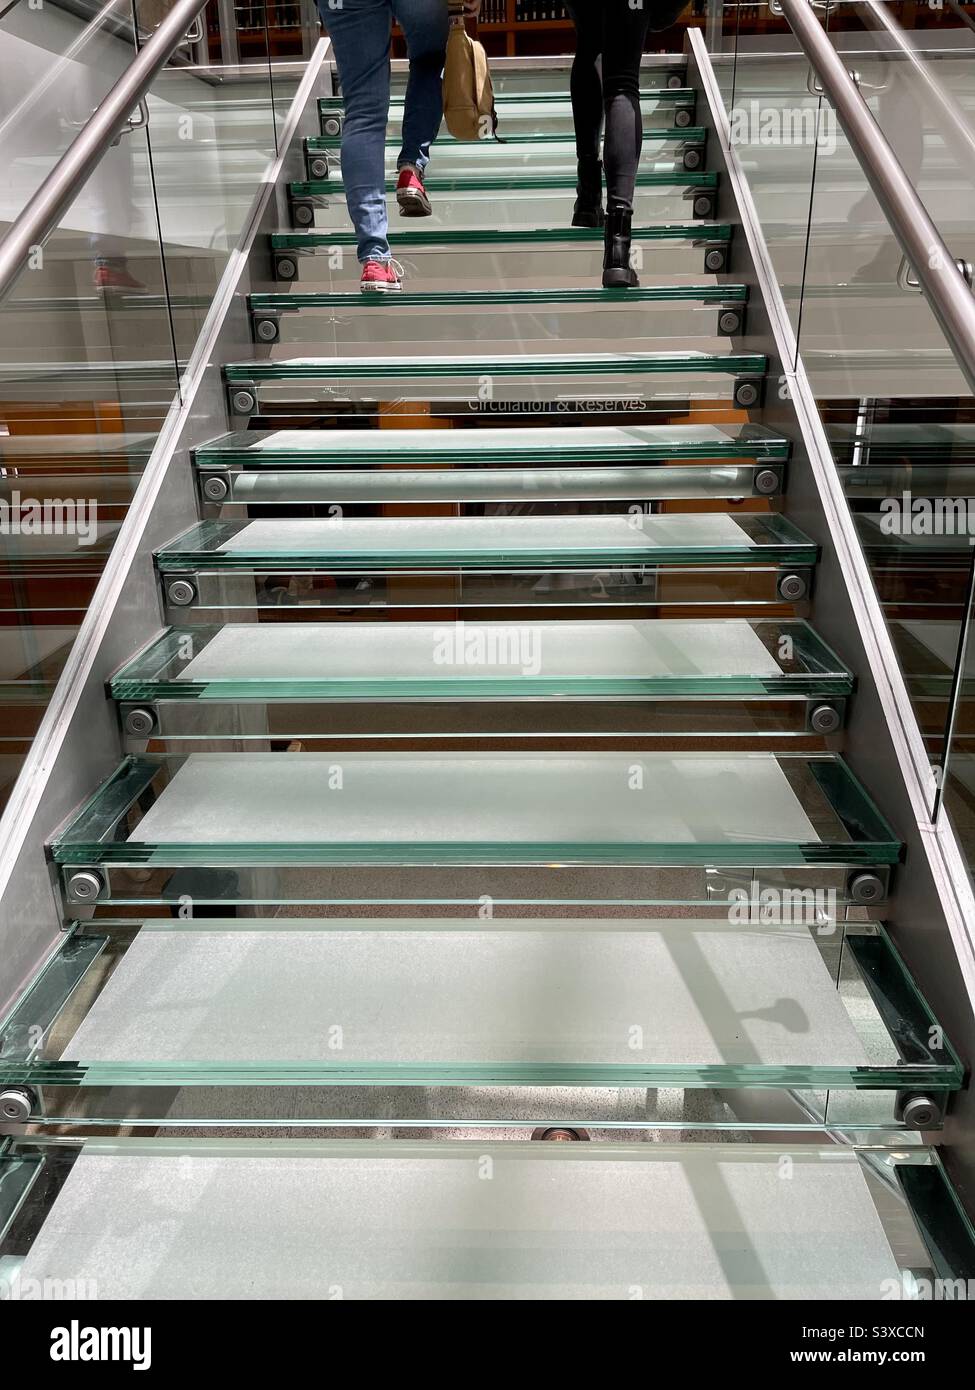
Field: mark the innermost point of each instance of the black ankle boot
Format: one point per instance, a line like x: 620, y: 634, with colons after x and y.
x: 618, y: 274
x: 588, y: 210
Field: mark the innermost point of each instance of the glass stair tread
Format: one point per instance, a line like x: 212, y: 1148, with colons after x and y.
x: 456, y: 1002
x: 547, y: 141
x: 507, y: 365
x: 499, y: 541
x: 488, y: 808
x: 702, y: 232
x: 661, y: 96
x: 465, y: 299
x: 667, y: 174
x: 513, y: 446
x: 415, y: 659
x: 402, y: 1220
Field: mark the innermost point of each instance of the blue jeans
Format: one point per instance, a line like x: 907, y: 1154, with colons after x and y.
x: 360, y: 33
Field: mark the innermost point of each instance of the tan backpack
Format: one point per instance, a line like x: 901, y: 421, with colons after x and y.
x: 468, y: 95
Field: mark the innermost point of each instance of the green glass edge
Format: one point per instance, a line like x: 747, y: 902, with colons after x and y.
x: 707, y: 294
x: 137, y: 679
x: 678, y: 96
x: 699, y: 232
x: 632, y: 364
x: 228, y: 450
x: 134, y: 775
x: 513, y: 183
x: 692, y: 135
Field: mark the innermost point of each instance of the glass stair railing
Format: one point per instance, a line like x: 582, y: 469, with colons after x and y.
x: 392, y: 1220
x: 551, y: 257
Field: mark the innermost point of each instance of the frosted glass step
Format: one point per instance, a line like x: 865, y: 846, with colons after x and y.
x: 458, y: 1002
x: 516, y: 465
x: 449, y: 258
x: 537, y: 155
x: 400, y: 1220
x: 512, y: 100
x: 295, y: 661
x: 539, y: 113
x: 356, y: 302
x: 572, y: 319
x: 390, y: 542
x: 664, y: 191
x: 686, y: 368
x: 635, y: 808
x: 513, y: 448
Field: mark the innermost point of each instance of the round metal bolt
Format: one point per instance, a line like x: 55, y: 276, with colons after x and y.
x: 746, y: 394
x: 766, y: 481
x: 266, y: 330
x: 140, y: 722
x: 729, y: 321
x: 304, y: 215
x: 215, y: 489
x: 16, y: 1103
x: 714, y: 260
x: 287, y: 268
x: 85, y: 886
x: 559, y: 1134
x: 920, y: 1112
x: 318, y: 168
x: 692, y: 159
x: 825, y: 719
x: 675, y: 80
x: 181, y: 593
x: 866, y: 888
x: 243, y: 402
x: 702, y: 206
x: 792, y: 587
x: 682, y: 118
x: 332, y: 125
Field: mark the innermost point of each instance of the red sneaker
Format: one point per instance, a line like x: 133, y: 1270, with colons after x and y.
x: 381, y: 277
x: 111, y: 277
x: 411, y: 195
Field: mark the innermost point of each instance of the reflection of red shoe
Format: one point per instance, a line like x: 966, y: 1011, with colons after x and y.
x: 411, y: 195
x: 381, y: 277
x: 110, y: 277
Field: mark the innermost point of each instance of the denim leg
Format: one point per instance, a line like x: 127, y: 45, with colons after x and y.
x: 425, y: 23
x: 360, y: 33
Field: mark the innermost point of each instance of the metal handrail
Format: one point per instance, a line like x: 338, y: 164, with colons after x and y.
x: 948, y: 295
x: 72, y: 171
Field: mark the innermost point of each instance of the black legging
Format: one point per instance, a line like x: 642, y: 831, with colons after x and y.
x: 615, y: 31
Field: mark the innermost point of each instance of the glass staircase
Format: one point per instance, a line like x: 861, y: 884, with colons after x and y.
x: 486, y: 784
